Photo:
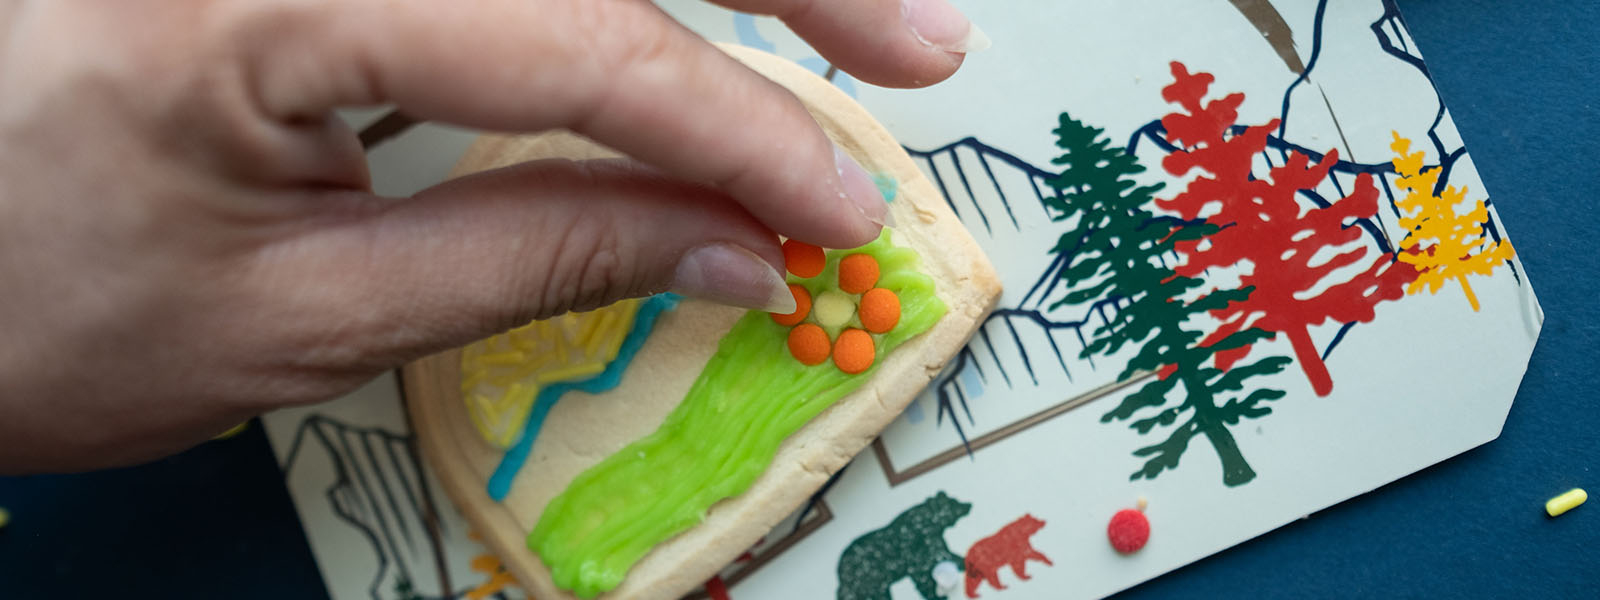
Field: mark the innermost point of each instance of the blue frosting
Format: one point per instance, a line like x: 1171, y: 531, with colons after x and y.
x: 887, y: 185
x: 643, y: 322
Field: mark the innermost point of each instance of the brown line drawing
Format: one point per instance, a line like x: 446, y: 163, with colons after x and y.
x: 1274, y: 30
x: 824, y: 515
x: 896, y: 477
x: 430, y: 513
x: 1349, y: 154
x: 391, y: 124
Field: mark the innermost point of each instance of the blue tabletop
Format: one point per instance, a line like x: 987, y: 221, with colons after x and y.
x: 1520, y: 80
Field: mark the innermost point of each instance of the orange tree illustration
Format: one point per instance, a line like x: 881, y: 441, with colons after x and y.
x: 1441, y: 243
x: 1118, y: 249
x: 1298, y: 255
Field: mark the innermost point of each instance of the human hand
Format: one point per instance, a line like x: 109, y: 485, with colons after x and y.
x: 188, y: 235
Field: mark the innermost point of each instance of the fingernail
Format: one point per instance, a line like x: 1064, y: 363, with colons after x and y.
x: 861, y: 190
x: 728, y: 274
x: 939, y: 24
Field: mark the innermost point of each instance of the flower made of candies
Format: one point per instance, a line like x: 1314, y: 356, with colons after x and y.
x: 845, y: 318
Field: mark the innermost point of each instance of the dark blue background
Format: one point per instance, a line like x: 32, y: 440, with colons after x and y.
x: 1519, y: 78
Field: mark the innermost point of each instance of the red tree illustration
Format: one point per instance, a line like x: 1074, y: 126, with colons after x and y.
x: 1293, y: 248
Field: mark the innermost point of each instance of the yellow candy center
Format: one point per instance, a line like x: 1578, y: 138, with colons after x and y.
x: 833, y: 309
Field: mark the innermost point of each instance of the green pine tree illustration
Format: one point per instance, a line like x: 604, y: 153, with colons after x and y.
x: 1118, y: 249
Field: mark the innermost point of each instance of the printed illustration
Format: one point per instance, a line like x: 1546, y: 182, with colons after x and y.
x: 999, y: 195
x: 716, y: 588
x: 1335, y: 78
x: 1029, y: 348
x: 1294, y: 284
x: 1009, y: 547
x: 1443, y: 243
x: 1122, y: 249
x: 911, y: 545
x: 498, y: 578
x: 376, y: 492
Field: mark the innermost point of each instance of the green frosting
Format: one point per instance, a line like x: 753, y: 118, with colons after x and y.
x: 750, y: 397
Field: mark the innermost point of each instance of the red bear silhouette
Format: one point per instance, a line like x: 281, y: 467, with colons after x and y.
x: 1010, y: 546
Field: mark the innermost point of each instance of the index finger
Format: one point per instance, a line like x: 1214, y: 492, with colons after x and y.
x: 892, y: 43
x: 618, y: 71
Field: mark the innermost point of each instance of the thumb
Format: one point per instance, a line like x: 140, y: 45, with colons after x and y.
x: 487, y: 252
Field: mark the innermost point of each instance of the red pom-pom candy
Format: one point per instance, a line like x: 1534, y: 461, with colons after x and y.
x: 1128, y: 531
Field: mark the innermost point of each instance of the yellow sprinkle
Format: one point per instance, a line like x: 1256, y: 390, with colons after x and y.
x: 473, y: 378
x: 624, y: 325
x: 504, y: 359
x: 570, y: 373
x: 500, y: 397
x: 498, y: 343
x: 514, y: 394
x: 486, y: 404
x: 621, y: 319
x: 5, y: 517
x: 529, y: 328
x: 525, y: 342
x: 569, y: 326
x: 530, y: 361
x: 591, y: 321
x: 235, y: 430
x: 491, y: 431
x: 596, y: 338
x: 1565, y: 502
x: 561, y: 353
x: 620, y: 328
x: 602, y: 336
x: 523, y: 371
x: 539, y: 361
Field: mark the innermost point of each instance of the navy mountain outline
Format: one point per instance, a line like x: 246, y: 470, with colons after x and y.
x: 378, y: 489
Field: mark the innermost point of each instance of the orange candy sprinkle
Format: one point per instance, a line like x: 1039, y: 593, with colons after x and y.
x: 879, y: 310
x: 858, y: 273
x: 809, y: 344
x: 802, y: 307
x: 854, y: 352
x: 802, y: 259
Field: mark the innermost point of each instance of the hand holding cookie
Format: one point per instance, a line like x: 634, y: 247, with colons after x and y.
x: 188, y: 235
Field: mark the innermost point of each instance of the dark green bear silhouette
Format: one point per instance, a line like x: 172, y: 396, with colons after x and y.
x: 910, y: 546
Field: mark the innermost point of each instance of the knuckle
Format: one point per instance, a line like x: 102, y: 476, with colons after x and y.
x: 626, y: 33
x: 626, y: 40
x: 590, y: 267
x: 598, y: 280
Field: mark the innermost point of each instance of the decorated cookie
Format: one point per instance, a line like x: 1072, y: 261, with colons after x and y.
x: 672, y: 434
